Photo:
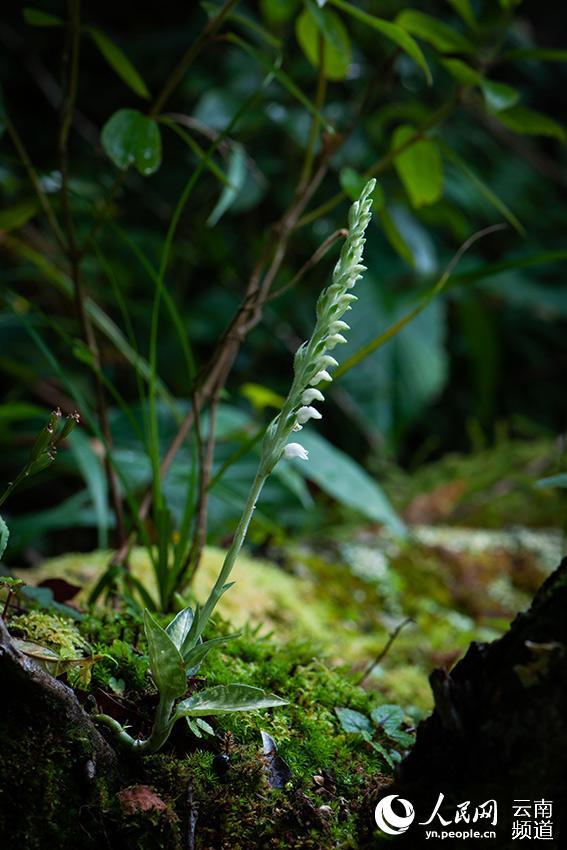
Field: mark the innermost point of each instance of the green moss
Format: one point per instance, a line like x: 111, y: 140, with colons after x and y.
x: 51, y: 630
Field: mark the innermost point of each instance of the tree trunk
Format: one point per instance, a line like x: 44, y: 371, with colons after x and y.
x: 498, y: 731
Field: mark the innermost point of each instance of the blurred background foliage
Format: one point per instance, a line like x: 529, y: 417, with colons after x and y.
x: 478, y: 91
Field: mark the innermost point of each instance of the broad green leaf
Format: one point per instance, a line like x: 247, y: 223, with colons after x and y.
x: 462, y: 72
x: 353, y: 721
x: 278, y: 12
x: 16, y: 216
x: 317, y: 28
x: 388, y: 717
x: 224, y: 699
x: 341, y: 477
x: 559, y: 480
x: 179, y: 627
x: 166, y: 664
x: 391, y: 31
x: 261, y: 397
x: 432, y: 30
x: 526, y: 121
x: 498, y: 96
x: 38, y: 18
x: 198, y: 726
x: 419, y: 167
x: 4, y: 535
x: 130, y: 138
x: 236, y: 176
x: 118, y: 60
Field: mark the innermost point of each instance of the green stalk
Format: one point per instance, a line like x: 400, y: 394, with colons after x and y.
x: 158, y: 736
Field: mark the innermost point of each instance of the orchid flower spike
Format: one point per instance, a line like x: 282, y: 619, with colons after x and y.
x: 312, y: 360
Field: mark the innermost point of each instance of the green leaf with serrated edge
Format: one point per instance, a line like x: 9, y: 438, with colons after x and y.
x: 441, y: 36
x: 130, y: 138
x: 166, y: 664
x: 118, y: 60
x: 353, y: 721
x: 419, y: 167
x: 391, y: 31
x: 4, y: 536
x: 225, y: 699
x: 236, y: 176
x: 38, y: 18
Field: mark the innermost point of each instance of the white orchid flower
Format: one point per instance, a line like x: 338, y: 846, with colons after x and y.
x: 304, y: 414
x: 323, y: 375
x: 312, y: 394
x: 295, y: 450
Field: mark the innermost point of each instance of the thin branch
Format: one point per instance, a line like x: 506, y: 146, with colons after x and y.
x: 207, y: 453
x: 73, y: 255
x: 34, y: 180
x: 383, y: 653
x: 315, y: 123
x: 189, y: 57
x: 316, y: 257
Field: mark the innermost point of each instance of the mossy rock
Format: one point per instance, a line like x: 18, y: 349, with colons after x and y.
x: 55, y: 797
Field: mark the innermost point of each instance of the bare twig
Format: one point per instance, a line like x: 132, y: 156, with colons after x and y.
x: 312, y: 261
x: 189, y: 57
x: 385, y: 650
x: 206, y: 457
x: 72, y: 251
